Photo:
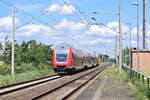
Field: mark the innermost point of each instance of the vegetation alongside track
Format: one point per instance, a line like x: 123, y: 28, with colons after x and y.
x: 136, y: 87
x: 6, y: 69
x: 28, y: 75
x: 30, y: 52
x: 32, y: 60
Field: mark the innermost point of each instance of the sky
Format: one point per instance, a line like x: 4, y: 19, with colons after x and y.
x: 57, y: 21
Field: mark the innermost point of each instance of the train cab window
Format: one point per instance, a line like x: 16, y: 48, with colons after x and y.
x: 61, y: 57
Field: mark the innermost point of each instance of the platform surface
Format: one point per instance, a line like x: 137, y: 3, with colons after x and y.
x: 106, y: 89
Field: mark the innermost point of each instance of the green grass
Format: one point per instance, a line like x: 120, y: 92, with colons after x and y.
x: 138, y: 90
x: 23, y: 72
x: 8, y: 79
x: 6, y: 69
x: 113, y: 72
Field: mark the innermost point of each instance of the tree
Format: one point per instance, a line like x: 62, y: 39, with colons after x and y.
x: 1, y: 48
x: 7, y: 51
x: 28, y: 52
x: 126, y: 55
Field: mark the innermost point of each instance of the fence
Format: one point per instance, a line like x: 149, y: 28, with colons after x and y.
x: 138, y: 75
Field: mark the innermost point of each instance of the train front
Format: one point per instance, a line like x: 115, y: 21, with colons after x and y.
x: 62, y: 59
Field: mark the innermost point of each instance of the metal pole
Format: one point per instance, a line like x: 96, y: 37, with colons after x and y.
x: 120, y: 39
x: 130, y: 47
x: 144, y: 24
x: 129, y: 44
x: 13, y: 39
x: 138, y: 58
x: 124, y: 50
x: 116, y: 51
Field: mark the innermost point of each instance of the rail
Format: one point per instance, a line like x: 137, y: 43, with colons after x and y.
x: 140, y: 76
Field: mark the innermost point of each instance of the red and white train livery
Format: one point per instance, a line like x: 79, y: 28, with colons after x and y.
x: 68, y: 59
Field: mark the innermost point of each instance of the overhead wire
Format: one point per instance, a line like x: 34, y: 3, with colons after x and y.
x: 97, y: 22
x: 26, y: 13
x: 36, y: 17
x: 72, y: 10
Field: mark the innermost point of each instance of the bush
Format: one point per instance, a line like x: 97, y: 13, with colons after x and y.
x: 139, y: 90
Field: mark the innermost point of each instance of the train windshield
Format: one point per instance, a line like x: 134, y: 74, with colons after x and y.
x: 61, y: 57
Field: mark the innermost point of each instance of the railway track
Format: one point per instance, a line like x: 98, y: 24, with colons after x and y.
x: 70, y: 88
x: 50, y: 88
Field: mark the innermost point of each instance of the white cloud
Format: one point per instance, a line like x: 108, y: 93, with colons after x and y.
x: 67, y: 10
x: 79, y: 26
x: 113, y: 25
x: 33, y: 29
x: 67, y: 31
x: 65, y: 27
x: 64, y: 24
x: 97, y: 30
x: 6, y: 23
x: 63, y: 10
x: 97, y: 41
x: 54, y: 8
x: 69, y: 25
x: 104, y: 31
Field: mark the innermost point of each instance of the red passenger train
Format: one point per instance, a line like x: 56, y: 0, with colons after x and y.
x: 68, y: 59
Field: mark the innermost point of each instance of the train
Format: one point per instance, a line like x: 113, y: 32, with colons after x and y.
x: 67, y: 59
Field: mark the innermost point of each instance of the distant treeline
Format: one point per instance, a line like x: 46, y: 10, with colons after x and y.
x: 29, y: 52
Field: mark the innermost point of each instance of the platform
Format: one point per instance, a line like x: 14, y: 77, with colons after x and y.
x: 106, y: 88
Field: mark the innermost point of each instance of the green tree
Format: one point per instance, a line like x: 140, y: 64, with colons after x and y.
x: 33, y: 52
x: 7, y: 51
x: 126, y: 55
x: 1, y: 48
x: 29, y: 52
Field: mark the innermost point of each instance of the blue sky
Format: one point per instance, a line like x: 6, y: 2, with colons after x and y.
x: 61, y: 22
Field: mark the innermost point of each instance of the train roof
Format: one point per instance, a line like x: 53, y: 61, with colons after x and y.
x: 63, y: 46
x: 78, y: 52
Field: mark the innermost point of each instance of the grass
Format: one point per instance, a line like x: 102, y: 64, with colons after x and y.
x: 8, y: 79
x: 6, y: 69
x: 138, y: 90
x: 24, y: 73
x: 113, y: 72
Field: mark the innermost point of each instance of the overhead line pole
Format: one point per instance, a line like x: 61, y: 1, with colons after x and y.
x: 138, y: 39
x: 144, y: 25
x: 138, y: 56
x: 120, y: 39
x: 13, y: 40
x: 130, y: 47
x: 116, y: 50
